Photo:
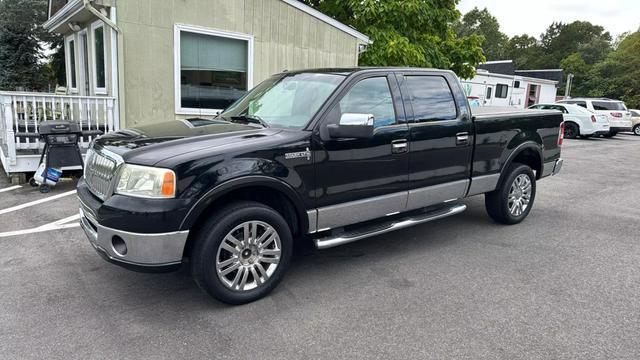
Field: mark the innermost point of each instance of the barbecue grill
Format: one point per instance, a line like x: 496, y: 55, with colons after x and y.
x: 60, y: 150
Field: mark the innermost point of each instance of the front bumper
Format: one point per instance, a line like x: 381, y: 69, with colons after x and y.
x: 144, y: 252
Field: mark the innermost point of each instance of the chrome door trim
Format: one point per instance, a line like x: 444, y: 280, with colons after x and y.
x: 436, y: 194
x: 483, y: 184
x: 352, y: 212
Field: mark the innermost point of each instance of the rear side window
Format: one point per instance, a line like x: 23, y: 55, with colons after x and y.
x: 431, y: 98
x: 501, y: 91
x: 579, y: 103
x: 608, y: 105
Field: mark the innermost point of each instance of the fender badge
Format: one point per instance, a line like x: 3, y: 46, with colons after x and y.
x: 297, y: 155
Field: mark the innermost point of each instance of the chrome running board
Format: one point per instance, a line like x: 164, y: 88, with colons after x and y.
x: 385, y: 227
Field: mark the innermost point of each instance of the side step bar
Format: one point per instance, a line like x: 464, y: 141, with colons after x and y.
x: 385, y: 227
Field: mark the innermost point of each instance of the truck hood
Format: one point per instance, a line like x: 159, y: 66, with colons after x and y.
x: 150, y: 144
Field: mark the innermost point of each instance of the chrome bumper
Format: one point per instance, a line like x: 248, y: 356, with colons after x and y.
x: 557, y: 167
x: 552, y: 168
x: 142, y: 250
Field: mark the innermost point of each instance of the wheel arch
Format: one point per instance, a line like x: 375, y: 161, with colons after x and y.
x: 262, y: 189
x: 528, y: 153
x: 574, y: 123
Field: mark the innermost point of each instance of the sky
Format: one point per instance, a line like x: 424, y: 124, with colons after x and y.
x: 517, y: 17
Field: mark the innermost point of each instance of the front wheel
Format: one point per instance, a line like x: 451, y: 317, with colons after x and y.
x: 511, y: 202
x: 636, y: 129
x: 242, y: 253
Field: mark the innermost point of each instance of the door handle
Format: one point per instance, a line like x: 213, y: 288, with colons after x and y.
x: 462, y: 139
x: 399, y: 146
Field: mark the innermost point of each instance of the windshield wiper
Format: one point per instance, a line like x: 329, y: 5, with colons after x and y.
x: 251, y: 119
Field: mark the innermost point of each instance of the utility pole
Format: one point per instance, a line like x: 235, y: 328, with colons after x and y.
x: 567, y: 91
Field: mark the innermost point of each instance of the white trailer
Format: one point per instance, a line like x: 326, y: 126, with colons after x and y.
x: 509, y: 90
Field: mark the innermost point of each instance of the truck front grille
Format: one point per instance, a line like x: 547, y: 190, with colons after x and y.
x: 99, y: 173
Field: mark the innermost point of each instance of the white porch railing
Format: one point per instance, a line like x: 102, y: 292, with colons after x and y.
x: 21, y: 114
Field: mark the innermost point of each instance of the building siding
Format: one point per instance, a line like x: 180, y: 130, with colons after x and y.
x: 285, y: 38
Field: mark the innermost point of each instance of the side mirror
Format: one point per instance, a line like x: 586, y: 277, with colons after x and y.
x: 357, y: 126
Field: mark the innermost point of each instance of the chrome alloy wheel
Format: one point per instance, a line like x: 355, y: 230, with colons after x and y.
x: 248, y: 255
x: 519, y: 195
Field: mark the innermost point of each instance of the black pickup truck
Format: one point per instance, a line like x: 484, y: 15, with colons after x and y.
x: 329, y: 155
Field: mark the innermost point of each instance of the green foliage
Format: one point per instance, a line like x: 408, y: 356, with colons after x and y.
x: 21, y: 44
x: 481, y: 22
x: 618, y: 76
x: 526, y: 51
x: 560, y: 40
x: 408, y: 33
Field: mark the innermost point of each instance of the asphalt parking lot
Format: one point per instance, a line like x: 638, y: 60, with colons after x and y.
x: 564, y: 284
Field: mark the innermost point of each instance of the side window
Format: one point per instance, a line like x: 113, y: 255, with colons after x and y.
x: 370, y: 96
x: 502, y: 90
x: 581, y: 103
x: 488, y: 93
x: 431, y: 98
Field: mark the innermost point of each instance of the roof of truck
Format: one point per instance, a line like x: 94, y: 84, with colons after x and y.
x: 352, y: 70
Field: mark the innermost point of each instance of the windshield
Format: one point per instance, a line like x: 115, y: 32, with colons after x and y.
x: 286, y: 100
x: 608, y: 105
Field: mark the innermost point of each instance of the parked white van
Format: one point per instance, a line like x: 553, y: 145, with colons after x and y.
x: 578, y: 121
x: 615, y: 110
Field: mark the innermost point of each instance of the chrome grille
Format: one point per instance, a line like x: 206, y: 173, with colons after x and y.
x: 99, y: 172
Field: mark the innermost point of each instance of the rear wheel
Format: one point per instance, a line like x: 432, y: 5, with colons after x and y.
x: 242, y: 253
x: 636, y: 129
x: 511, y: 202
x: 571, y: 130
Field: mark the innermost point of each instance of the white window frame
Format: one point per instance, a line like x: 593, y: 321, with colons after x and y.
x: 178, y: 28
x: 67, y: 62
x: 94, y: 63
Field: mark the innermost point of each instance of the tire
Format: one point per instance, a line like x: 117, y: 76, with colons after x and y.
x: 498, y: 202
x: 221, y: 246
x: 571, y: 130
x: 33, y: 182
x: 636, y: 129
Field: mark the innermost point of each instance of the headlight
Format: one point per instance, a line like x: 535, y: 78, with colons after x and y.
x: 145, y: 181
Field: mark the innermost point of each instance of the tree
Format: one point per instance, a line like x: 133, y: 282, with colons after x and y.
x: 481, y: 22
x: 560, y: 40
x: 21, y: 44
x: 408, y: 33
x: 575, y: 64
x: 618, y: 76
x: 526, y: 51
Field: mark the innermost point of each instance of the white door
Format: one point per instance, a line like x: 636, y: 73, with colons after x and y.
x: 488, y: 97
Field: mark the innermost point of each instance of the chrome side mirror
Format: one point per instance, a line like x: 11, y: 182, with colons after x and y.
x: 352, y: 126
x: 356, y: 119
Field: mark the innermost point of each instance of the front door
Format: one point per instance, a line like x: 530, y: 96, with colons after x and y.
x: 440, y: 136
x: 363, y: 179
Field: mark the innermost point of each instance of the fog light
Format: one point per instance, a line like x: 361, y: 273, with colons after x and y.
x: 119, y: 246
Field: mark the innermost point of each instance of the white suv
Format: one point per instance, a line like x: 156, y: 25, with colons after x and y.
x: 578, y: 121
x: 617, y: 113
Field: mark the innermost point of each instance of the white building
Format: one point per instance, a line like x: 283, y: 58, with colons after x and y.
x: 497, y: 83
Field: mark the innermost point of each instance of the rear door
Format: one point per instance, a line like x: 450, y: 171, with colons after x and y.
x: 440, y: 138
